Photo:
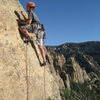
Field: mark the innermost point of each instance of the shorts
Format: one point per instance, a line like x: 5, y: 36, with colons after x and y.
x: 40, y: 42
x: 28, y: 28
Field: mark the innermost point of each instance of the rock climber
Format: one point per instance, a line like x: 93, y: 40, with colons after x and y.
x: 29, y: 25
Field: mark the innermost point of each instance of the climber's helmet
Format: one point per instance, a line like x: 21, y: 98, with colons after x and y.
x: 30, y: 5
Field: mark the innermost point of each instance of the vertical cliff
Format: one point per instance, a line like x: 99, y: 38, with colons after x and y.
x: 14, y: 71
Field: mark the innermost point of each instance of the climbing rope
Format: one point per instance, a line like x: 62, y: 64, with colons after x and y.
x: 27, y: 80
x: 27, y: 73
x: 44, y: 85
x: 44, y: 79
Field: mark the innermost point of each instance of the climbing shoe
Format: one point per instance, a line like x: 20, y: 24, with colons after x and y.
x: 44, y: 64
x: 28, y: 39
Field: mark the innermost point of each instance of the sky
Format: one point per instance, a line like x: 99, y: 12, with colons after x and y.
x: 68, y: 21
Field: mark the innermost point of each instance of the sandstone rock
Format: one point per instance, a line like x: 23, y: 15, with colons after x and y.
x: 79, y: 75
x: 13, y: 74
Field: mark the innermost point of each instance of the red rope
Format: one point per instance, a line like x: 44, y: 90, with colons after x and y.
x: 27, y: 74
x: 28, y: 80
x: 44, y: 85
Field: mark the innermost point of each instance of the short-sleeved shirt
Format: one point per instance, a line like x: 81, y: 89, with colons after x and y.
x: 32, y: 16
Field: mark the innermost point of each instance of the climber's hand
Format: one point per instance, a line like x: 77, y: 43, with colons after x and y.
x: 22, y: 12
x: 19, y: 20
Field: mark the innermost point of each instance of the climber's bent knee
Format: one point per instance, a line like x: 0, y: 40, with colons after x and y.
x: 40, y: 46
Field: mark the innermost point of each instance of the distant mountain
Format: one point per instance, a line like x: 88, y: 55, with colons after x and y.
x: 79, y: 63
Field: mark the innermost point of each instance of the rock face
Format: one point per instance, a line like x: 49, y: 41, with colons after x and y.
x: 21, y: 75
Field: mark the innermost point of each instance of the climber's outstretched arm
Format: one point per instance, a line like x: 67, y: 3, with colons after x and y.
x: 25, y: 23
x: 24, y: 15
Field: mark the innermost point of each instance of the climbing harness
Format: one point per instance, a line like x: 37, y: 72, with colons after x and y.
x: 39, y: 30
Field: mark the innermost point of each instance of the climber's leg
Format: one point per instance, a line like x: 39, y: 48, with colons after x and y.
x: 25, y: 30
x: 40, y: 43
x: 42, y: 53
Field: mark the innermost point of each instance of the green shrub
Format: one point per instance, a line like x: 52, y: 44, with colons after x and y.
x: 84, y: 92
x: 66, y: 95
x: 50, y: 99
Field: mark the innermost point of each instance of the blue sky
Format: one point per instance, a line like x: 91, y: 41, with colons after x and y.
x: 68, y: 20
